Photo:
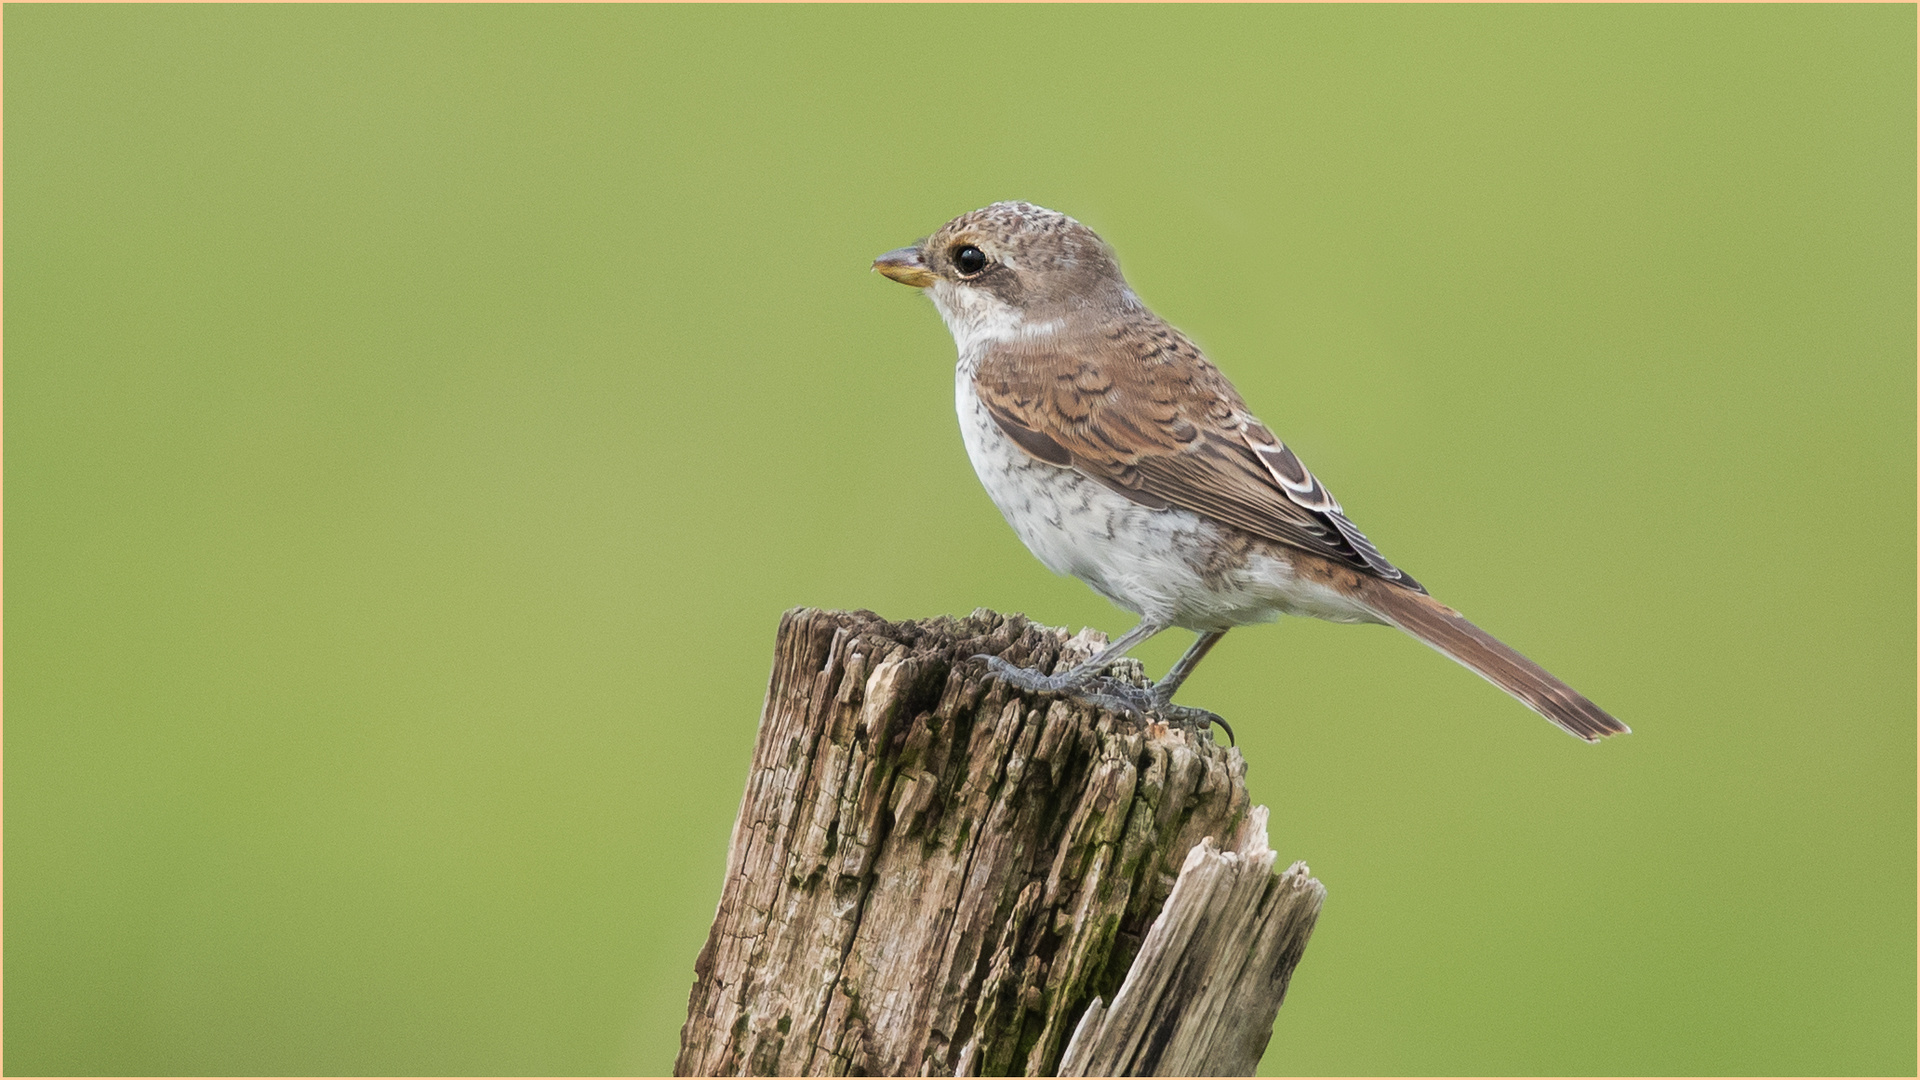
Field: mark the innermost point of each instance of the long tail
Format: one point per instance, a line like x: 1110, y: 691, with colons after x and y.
x: 1443, y: 628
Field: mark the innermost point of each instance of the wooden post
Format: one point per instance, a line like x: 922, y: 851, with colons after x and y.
x: 933, y: 874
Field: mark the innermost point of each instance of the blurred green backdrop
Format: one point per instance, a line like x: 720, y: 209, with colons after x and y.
x: 417, y: 419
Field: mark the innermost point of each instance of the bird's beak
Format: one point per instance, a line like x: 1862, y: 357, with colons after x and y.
x: 904, y: 266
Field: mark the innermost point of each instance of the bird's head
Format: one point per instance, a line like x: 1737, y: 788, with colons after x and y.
x: 1010, y: 269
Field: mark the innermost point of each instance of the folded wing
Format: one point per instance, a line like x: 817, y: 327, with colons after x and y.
x: 1140, y: 410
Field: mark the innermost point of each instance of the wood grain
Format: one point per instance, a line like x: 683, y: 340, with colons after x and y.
x: 931, y: 874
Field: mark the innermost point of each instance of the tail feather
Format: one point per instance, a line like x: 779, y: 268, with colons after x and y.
x: 1443, y: 628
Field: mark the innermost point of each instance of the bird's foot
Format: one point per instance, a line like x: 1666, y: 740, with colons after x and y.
x: 1150, y: 703
x: 1030, y: 680
x: 1196, y: 719
x: 1103, y: 692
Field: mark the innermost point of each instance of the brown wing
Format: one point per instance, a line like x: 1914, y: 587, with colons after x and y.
x: 1139, y: 409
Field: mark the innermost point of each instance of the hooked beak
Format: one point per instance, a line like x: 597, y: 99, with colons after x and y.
x: 904, y: 266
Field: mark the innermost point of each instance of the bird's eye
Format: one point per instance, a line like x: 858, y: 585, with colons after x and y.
x: 969, y: 260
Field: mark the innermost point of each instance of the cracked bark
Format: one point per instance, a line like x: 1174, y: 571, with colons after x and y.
x: 932, y: 874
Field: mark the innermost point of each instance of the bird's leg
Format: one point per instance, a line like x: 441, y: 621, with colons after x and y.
x: 1163, y: 690
x: 1080, y: 676
x: 1170, y: 683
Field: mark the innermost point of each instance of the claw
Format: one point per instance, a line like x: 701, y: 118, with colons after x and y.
x: 1198, y: 719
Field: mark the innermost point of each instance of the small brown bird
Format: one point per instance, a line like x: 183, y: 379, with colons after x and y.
x: 1121, y: 456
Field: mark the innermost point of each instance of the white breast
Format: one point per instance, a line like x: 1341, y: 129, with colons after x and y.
x: 1064, y: 518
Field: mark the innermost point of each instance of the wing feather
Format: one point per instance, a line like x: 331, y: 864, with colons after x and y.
x: 1140, y: 410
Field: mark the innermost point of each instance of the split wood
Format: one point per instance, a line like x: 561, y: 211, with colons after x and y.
x: 933, y: 874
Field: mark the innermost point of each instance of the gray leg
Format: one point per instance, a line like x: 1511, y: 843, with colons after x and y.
x: 1163, y: 690
x: 1081, y: 675
x: 1187, y: 662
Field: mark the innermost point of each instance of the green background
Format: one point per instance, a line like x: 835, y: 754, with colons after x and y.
x: 418, y: 418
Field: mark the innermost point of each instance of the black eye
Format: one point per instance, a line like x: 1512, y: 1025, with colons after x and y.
x: 969, y: 260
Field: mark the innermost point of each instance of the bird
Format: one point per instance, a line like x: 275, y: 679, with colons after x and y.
x: 1123, y: 457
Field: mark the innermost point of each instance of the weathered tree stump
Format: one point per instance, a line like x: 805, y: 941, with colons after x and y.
x: 934, y: 874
